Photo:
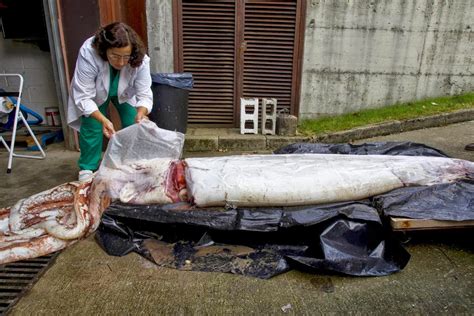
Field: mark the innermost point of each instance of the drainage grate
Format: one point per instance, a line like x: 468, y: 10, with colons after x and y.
x: 17, y: 278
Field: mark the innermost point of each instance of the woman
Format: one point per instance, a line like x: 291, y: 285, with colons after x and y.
x: 111, y: 67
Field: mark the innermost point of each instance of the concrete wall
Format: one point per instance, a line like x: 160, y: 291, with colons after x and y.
x: 160, y: 35
x: 366, y: 53
x: 35, y: 66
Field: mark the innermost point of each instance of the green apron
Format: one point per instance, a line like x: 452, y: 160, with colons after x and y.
x: 91, y: 136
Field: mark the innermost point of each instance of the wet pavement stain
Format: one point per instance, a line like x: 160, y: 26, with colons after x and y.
x: 323, y: 284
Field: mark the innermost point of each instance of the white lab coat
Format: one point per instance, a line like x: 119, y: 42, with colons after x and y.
x: 90, y: 85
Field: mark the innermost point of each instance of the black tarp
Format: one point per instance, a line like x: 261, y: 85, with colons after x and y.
x: 346, y: 237
x: 274, y: 239
x: 448, y: 201
x: 375, y: 148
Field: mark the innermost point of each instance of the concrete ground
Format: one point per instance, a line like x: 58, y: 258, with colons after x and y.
x: 84, y: 280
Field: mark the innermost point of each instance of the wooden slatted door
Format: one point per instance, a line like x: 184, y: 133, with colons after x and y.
x: 208, y: 52
x: 269, y: 65
x: 238, y: 48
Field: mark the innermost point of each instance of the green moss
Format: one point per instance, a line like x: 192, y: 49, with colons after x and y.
x: 396, y: 112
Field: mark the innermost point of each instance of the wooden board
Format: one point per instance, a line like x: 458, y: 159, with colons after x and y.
x: 42, y: 133
x: 401, y: 224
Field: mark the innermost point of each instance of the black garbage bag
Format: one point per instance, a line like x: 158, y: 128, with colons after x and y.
x: 170, y: 100
x: 182, y: 80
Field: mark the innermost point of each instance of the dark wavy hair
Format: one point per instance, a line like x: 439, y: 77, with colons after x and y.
x: 118, y: 35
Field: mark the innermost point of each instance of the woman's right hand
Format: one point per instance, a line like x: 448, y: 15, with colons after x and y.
x: 108, y: 128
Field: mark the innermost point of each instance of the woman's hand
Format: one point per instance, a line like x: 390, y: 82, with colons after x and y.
x: 141, y: 114
x: 108, y: 128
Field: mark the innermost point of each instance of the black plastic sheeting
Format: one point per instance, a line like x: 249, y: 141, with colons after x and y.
x: 348, y: 238
x: 261, y: 242
x: 375, y: 148
x: 449, y: 202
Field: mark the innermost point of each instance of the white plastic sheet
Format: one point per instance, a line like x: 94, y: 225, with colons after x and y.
x: 136, y: 164
x: 142, y: 141
x: 140, y: 167
x: 304, y: 179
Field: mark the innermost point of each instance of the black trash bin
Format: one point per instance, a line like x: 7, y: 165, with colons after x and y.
x: 170, y: 100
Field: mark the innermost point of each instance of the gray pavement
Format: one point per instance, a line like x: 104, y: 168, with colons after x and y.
x: 84, y: 280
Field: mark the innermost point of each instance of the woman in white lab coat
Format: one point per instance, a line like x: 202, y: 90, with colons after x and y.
x: 111, y: 67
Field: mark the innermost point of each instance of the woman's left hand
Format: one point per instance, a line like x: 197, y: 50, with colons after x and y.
x: 141, y: 114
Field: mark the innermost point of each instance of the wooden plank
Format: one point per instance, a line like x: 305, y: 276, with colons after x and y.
x: 403, y: 224
x: 23, y: 138
x: 37, y: 129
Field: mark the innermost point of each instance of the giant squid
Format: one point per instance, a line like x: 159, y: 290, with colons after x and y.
x: 50, y: 220
x: 53, y: 219
x: 275, y: 180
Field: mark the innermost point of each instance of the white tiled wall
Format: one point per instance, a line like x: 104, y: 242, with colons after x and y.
x: 35, y: 66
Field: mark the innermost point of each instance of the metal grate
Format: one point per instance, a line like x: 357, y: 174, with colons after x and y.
x: 17, y: 278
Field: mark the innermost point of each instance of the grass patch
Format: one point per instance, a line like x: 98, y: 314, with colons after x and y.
x: 397, y: 112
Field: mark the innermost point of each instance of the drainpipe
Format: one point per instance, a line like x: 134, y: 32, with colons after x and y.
x: 59, y: 72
